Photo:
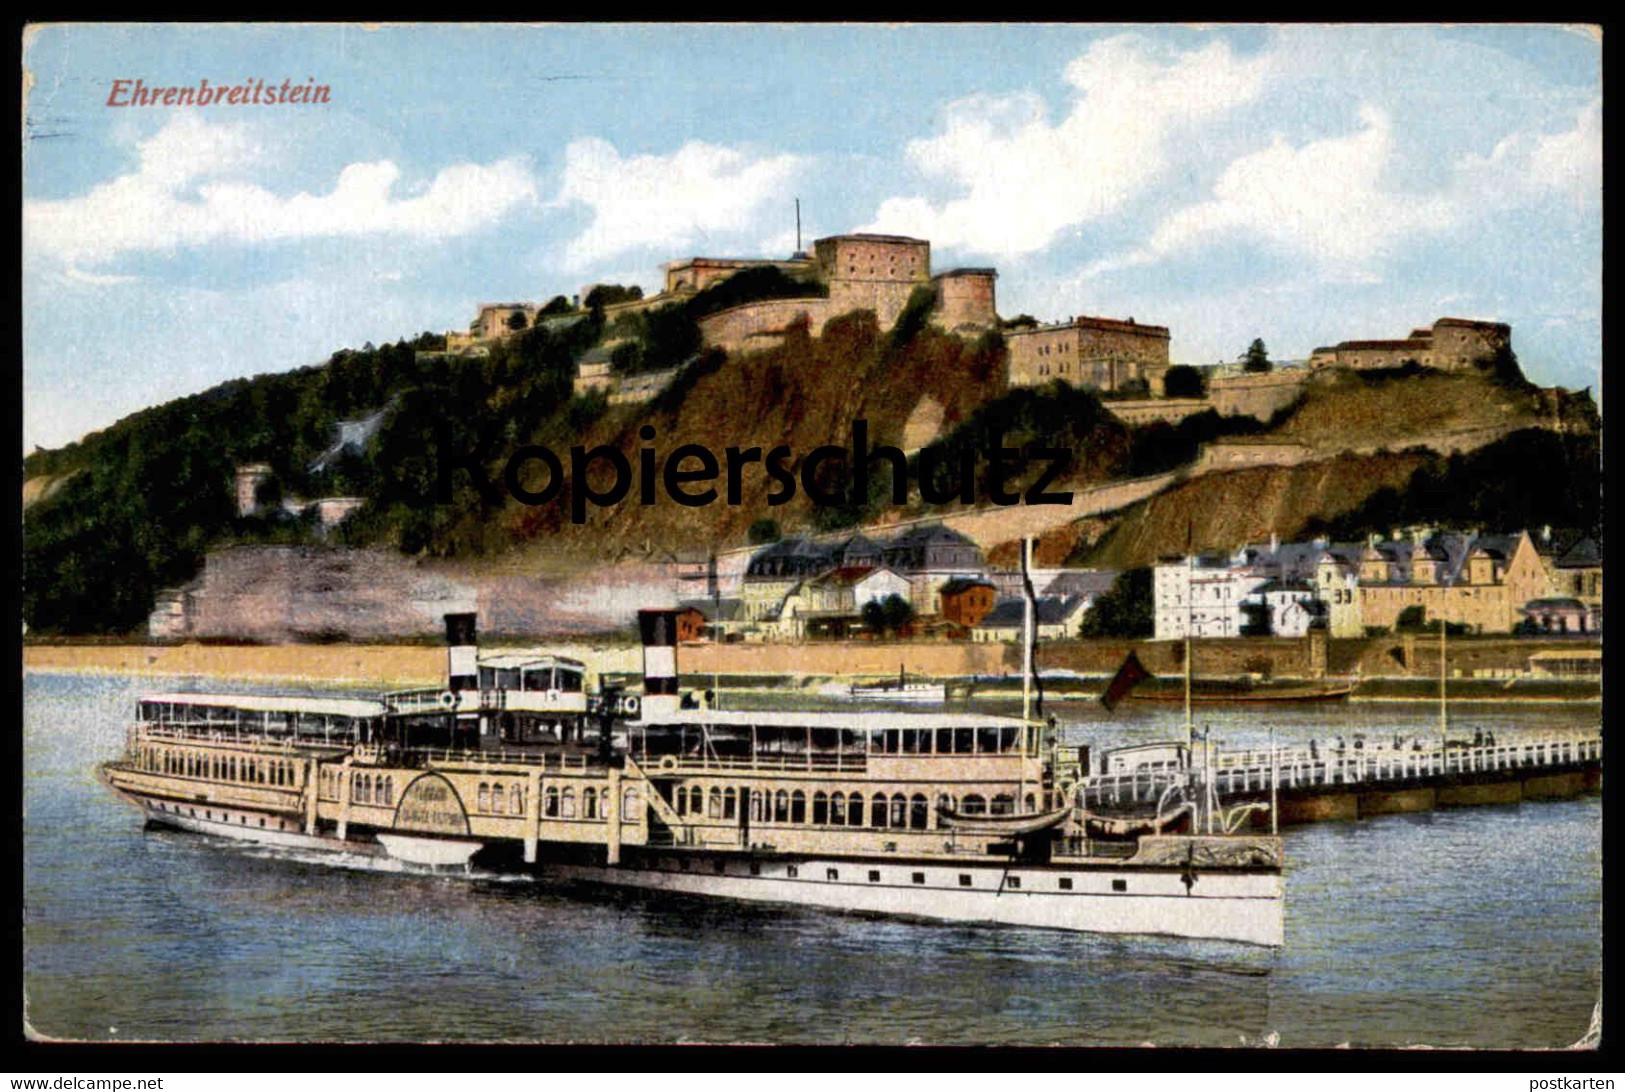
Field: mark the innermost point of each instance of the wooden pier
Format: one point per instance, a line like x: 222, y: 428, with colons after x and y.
x: 1358, y: 777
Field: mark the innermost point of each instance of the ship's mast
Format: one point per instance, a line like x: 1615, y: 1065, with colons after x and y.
x: 1444, y: 708
x: 1190, y: 624
x: 1026, y: 630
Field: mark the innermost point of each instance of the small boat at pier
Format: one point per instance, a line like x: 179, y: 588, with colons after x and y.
x: 901, y: 688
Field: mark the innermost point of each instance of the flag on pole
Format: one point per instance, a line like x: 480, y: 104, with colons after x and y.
x: 1128, y: 676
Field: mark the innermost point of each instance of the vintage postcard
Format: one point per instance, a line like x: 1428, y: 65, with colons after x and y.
x: 987, y: 534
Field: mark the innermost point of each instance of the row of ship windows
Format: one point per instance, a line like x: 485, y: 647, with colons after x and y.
x: 218, y: 767
x: 837, y: 809
x: 492, y: 798
x: 208, y: 813
x: 875, y: 875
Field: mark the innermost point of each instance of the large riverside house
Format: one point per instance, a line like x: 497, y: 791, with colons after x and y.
x: 1481, y: 581
x: 796, y: 580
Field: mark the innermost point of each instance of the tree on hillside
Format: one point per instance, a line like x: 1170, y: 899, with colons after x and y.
x: 1021, y: 320
x: 603, y: 295
x: 1256, y: 358
x: 1125, y: 610
x: 517, y: 321
x: 558, y: 305
x: 1183, y: 381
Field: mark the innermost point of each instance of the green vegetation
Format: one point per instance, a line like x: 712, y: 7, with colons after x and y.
x: 764, y: 531
x: 1531, y: 478
x: 1125, y: 610
x: 1184, y: 381
x: 752, y: 286
x: 146, y: 497
x: 607, y: 295
x: 1256, y: 358
x: 889, y: 615
x: 1414, y: 619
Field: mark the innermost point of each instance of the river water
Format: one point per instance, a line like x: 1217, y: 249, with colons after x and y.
x: 1472, y: 927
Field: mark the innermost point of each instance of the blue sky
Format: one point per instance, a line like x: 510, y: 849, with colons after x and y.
x: 1301, y: 184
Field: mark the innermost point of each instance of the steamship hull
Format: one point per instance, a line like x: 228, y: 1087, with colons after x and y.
x: 1242, y: 907
x: 515, y: 767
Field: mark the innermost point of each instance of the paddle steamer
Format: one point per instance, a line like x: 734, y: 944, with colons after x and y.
x: 514, y: 763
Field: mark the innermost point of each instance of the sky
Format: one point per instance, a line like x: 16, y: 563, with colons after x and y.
x: 1301, y: 184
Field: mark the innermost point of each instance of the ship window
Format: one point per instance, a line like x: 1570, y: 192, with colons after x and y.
x: 820, y: 809
x: 567, y: 804
x: 550, y: 800
x: 974, y: 804
x: 1012, y: 881
x: 516, y: 799
x: 919, y: 877
x: 728, y: 804
x: 1119, y: 885
x: 1032, y: 802
x: 1003, y: 804
x: 874, y: 875
x: 1065, y: 883
x: 696, y: 800
x: 964, y: 879
x: 877, y: 810
x: 854, y: 810
x: 918, y: 812
x: 629, y: 803
x: 837, y: 809
x: 987, y: 740
x: 781, y: 807
x: 832, y: 873
x: 792, y: 871
x: 798, y: 807
x: 589, y: 803
x: 899, y: 810
x: 713, y: 803
x: 964, y: 740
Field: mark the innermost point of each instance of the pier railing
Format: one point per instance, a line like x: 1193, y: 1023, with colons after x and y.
x: 1251, y: 772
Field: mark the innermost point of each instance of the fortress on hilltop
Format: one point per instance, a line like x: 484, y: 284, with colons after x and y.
x: 858, y: 272
x: 1450, y: 344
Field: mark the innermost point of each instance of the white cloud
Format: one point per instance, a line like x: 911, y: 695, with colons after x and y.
x: 1326, y: 201
x: 1026, y: 180
x: 667, y: 201
x: 191, y: 189
x: 1531, y: 166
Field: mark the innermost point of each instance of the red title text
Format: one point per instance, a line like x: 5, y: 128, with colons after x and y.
x: 248, y: 93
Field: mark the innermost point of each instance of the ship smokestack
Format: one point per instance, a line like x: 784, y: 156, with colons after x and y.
x: 658, y: 629
x: 462, y: 650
